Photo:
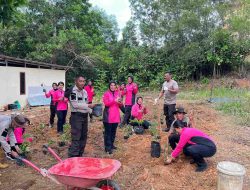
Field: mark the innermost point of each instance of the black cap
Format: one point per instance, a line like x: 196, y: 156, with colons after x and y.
x: 179, y: 110
x: 179, y: 124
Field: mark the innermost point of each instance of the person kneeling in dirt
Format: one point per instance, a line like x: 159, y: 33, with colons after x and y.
x: 195, y: 144
x: 138, y: 111
x: 7, y: 126
x: 180, y: 115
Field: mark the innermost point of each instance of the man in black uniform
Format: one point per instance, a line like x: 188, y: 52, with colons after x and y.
x: 80, y: 109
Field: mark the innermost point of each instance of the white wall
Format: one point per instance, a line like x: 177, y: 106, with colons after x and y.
x: 10, y: 82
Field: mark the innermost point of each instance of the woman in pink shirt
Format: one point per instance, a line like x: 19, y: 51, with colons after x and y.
x: 193, y: 143
x: 138, y: 111
x: 111, y: 116
x: 91, y: 93
x: 50, y: 94
x: 130, y: 92
x: 61, y: 107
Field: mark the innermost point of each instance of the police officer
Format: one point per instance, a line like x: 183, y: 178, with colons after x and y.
x: 80, y: 109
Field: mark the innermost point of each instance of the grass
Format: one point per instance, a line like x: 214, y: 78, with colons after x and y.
x: 238, y: 108
x: 205, y: 94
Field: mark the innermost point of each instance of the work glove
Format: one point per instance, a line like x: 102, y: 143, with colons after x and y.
x: 156, y: 101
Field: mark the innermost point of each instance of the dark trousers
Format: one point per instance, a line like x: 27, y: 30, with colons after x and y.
x: 173, y: 139
x: 168, y: 112
x: 145, y: 124
x: 127, y: 115
x: 61, y: 119
x: 79, y: 132
x: 109, y: 135
x: 52, y: 114
x: 122, y: 108
x: 90, y: 115
x: 198, y: 152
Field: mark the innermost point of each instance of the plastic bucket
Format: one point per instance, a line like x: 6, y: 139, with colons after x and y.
x: 230, y: 176
x: 155, y: 149
x: 97, y: 110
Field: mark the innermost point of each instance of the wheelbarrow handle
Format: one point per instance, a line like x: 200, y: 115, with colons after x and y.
x: 46, y: 147
x: 28, y: 163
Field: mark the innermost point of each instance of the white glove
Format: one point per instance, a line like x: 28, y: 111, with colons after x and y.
x: 156, y: 101
x: 165, y: 88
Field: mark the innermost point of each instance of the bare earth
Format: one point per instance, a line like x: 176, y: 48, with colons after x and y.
x: 139, y: 171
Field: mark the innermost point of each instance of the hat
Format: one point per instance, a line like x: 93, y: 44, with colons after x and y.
x: 179, y: 124
x: 20, y: 120
x: 179, y: 110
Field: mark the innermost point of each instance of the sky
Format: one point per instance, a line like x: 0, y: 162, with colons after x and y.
x: 118, y: 8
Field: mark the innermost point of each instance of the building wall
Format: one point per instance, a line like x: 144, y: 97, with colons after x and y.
x: 10, y: 82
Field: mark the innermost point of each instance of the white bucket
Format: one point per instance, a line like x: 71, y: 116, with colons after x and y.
x: 230, y: 176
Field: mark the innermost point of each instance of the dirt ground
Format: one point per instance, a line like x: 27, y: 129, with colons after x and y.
x: 139, y: 170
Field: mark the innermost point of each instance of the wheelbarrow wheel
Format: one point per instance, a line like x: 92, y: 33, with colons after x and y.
x: 108, y: 185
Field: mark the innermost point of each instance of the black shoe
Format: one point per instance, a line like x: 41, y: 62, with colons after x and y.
x: 109, y: 152
x: 192, y: 161
x: 166, y: 129
x: 201, y: 167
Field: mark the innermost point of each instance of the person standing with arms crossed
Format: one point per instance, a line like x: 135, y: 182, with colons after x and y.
x: 80, y: 109
x: 130, y: 91
x: 169, y: 90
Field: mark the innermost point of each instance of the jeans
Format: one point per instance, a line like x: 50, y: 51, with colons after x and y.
x: 61, y: 119
x: 168, y: 112
x: 127, y: 115
x: 145, y: 124
x: 79, y: 134
x: 52, y: 114
x: 173, y: 139
x: 109, y: 135
x: 198, y: 152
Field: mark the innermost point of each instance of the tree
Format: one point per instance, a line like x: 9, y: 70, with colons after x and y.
x: 8, y: 9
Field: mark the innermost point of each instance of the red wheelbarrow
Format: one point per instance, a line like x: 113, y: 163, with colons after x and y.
x: 80, y: 172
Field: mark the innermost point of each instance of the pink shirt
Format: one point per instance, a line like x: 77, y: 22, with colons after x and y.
x: 130, y: 92
x: 61, y: 104
x: 186, y: 135
x: 90, y: 91
x: 138, y: 111
x: 111, y: 113
x: 51, y: 94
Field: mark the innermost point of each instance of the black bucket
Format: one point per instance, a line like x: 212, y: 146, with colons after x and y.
x: 139, y: 130
x: 97, y: 110
x: 155, y: 149
x: 12, y: 106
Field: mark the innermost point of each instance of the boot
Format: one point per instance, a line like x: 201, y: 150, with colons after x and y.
x: 201, y: 167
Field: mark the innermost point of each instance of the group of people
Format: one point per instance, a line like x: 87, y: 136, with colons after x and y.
x: 59, y: 103
x: 182, y: 135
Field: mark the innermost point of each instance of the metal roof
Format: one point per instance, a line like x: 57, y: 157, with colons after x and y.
x: 27, y: 63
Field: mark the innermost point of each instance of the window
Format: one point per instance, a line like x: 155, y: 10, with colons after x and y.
x: 22, y: 83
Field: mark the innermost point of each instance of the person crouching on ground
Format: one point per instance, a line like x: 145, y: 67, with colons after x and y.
x: 138, y: 111
x: 180, y: 115
x: 195, y: 144
x: 7, y: 127
x: 111, y: 116
x: 61, y: 107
